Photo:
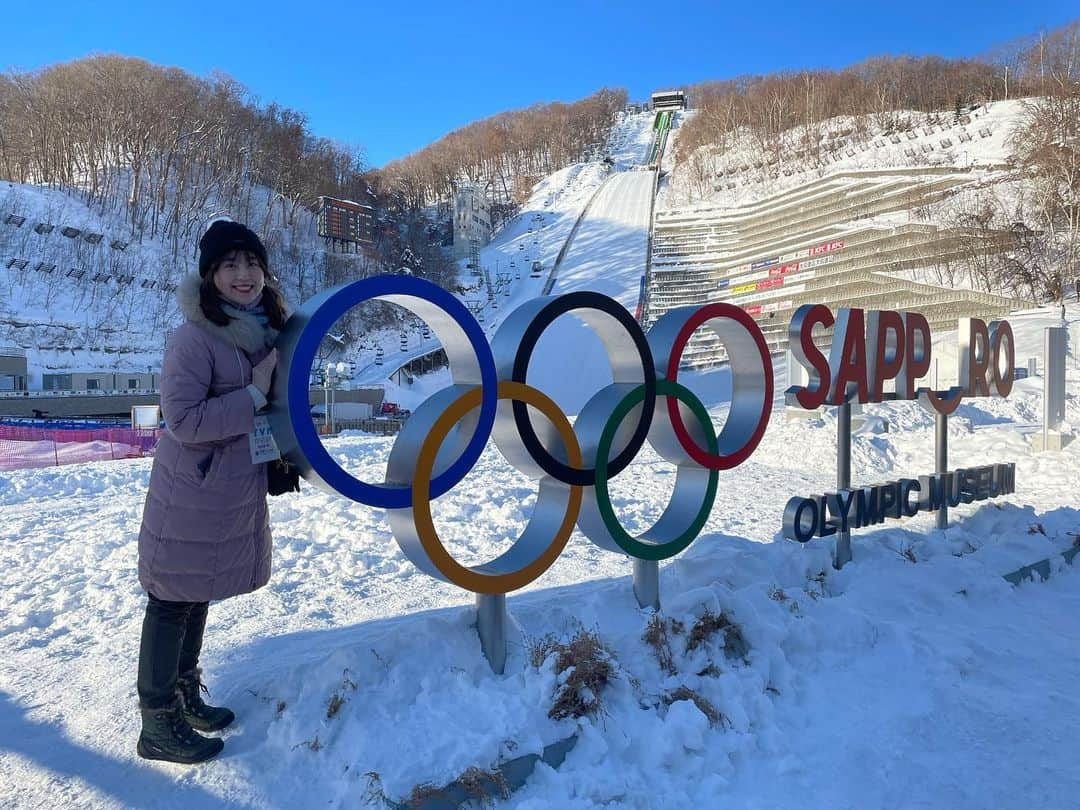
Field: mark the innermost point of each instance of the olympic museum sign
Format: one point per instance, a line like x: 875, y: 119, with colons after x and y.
x: 867, y: 350
x: 489, y: 398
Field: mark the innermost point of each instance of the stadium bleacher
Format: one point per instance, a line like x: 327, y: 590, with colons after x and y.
x: 847, y: 239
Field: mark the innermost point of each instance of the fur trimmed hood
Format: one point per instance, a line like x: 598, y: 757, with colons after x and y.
x: 243, y: 331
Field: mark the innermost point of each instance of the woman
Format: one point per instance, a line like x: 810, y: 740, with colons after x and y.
x: 205, y: 532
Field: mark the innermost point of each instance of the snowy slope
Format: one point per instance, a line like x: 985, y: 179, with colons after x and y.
x: 69, y: 322
x: 742, y: 173
x: 607, y: 255
x: 630, y: 140
x: 608, y: 252
x: 535, y: 234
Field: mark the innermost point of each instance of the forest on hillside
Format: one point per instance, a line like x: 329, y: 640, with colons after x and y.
x: 162, y: 145
x: 529, y: 143
x: 880, y: 90
x: 165, y: 149
x: 884, y: 93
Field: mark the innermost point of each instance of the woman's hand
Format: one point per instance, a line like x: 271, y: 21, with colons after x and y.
x: 263, y: 373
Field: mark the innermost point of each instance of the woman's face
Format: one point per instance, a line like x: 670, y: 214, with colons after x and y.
x: 240, y: 278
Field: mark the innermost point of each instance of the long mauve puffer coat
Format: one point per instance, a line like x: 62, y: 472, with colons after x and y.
x: 205, y: 531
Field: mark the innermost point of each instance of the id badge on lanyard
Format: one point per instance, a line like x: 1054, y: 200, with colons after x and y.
x: 261, y: 441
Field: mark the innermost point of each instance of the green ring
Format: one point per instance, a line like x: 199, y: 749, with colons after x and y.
x: 631, y: 545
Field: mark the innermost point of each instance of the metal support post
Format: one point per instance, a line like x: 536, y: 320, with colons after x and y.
x: 843, y: 477
x: 326, y: 406
x: 941, y: 462
x: 491, y: 626
x: 1054, y: 345
x: 647, y: 583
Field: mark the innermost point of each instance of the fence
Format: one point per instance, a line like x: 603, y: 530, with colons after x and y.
x: 382, y: 427
x: 100, y: 422
x: 30, y: 447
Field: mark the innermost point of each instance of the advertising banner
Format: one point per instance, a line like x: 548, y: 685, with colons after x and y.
x: 768, y: 294
x: 806, y: 265
x: 783, y: 269
x: 826, y: 247
x: 797, y: 256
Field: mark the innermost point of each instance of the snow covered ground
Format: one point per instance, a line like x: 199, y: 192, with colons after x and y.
x: 608, y: 251
x: 739, y: 174
x: 914, y: 677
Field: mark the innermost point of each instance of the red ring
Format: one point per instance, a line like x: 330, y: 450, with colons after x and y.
x: 719, y: 461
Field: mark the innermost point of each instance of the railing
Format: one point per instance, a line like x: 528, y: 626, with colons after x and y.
x: 93, y: 392
x: 553, y: 276
x: 381, y: 427
x: 144, y: 439
x: 649, y: 247
x: 660, y: 128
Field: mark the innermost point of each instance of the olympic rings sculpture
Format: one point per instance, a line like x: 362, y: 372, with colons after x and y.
x: 489, y: 398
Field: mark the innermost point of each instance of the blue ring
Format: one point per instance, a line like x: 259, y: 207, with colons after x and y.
x: 337, y: 304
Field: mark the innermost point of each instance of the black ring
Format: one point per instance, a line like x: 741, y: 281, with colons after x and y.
x: 559, y: 306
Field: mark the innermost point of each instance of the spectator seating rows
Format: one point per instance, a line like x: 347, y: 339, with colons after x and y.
x: 849, y: 239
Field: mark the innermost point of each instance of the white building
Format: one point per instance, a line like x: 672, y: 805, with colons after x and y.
x: 12, y: 369
x: 472, y: 219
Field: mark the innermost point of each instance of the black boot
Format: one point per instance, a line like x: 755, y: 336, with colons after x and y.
x: 166, y: 735
x: 198, y: 715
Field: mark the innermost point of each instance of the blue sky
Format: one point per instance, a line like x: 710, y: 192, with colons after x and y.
x: 394, y: 76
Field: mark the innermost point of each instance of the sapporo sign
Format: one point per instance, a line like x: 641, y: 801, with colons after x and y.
x: 489, y: 398
x: 867, y: 350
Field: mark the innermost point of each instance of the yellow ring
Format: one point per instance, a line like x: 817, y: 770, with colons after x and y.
x: 458, y: 574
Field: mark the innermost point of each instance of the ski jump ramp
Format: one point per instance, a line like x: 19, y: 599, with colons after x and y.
x: 608, y: 255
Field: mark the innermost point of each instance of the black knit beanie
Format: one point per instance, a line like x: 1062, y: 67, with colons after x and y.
x: 225, y: 235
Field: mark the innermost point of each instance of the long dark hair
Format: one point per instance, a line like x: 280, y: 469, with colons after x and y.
x: 272, y: 300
